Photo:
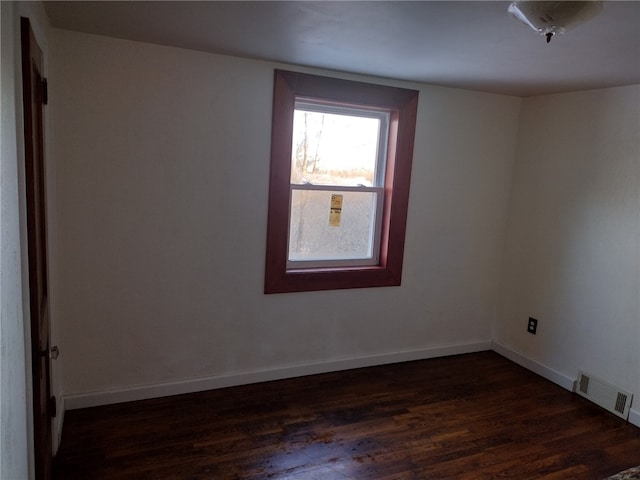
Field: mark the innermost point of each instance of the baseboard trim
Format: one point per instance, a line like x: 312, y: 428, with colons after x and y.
x: 549, y: 373
x: 143, y: 392
x: 634, y: 417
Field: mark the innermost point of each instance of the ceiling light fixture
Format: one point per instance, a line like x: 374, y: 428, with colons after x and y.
x: 551, y: 18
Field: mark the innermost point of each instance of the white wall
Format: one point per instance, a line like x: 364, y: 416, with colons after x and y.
x: 572, y: 258
x: 162, y: 159
x: 14, y: 462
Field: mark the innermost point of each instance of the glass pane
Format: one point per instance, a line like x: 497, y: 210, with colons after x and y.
x: 334, y: 149
x: 330, y: 225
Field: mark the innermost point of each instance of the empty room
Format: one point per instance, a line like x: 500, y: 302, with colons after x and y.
x: 320, y: 240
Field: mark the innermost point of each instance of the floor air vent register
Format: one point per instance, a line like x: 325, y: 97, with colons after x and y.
x: 601, y: 393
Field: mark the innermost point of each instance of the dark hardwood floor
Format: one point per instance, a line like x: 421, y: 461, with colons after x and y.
x: 475, y: 416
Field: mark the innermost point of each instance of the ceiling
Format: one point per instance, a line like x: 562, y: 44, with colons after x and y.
x: 474, y: 45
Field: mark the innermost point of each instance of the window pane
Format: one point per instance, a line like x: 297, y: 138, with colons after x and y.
x: 331, y: 225
x: 334, y: 149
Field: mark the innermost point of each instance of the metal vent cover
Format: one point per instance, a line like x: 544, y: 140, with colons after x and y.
x: 604, y: 394
x: 621, y: 402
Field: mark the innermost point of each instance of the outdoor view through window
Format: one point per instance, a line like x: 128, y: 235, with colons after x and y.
x: 337, y: 179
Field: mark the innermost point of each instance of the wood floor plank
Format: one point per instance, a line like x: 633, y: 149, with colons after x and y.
x: 476, y: 416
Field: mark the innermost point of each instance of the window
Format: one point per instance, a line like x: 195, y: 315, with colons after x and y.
x: 341, y: 156
x: 337, y: 185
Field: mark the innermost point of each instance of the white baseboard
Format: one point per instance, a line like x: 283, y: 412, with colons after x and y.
x: 549, y: 373
x: 634, y: 417
x: 143, y: 392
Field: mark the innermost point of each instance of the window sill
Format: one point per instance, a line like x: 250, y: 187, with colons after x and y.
x: 310, y: 279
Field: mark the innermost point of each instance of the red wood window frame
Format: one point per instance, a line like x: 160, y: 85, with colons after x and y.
x: 402, y: 104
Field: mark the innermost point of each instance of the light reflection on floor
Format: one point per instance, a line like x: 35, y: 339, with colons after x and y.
x: 314, y: 459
